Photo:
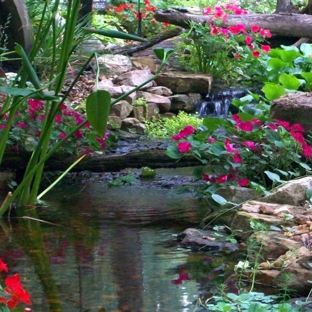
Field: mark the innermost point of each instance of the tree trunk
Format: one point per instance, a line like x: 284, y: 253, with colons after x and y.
x: 290, y: 25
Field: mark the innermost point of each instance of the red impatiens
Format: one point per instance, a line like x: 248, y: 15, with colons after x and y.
x: 13, y: 293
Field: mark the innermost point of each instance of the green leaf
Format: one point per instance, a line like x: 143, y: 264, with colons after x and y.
x: 28, y: 67
x: 305, y: 166
x: 219, y: 199
x: 273, y: 91
x: 309, y: 193
x: 163, y: 54
x: 29, y: 93
x: 113, y: 34
x: 273, y: 176
x: 4, y: 308
x: 290, y: 82
x: 98, y: 107
x: 173, y: 152
x: 272, y: 136
x: 276, y: 64
x: 212, y: 123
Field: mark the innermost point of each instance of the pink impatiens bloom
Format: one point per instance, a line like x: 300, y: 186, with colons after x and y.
x: 222, y: 178
x: 187, y: 131
x: 229, y: 146
x: 248, y: 40
x: 237, y: 159
x: 244, y: 182
x: 265, y: 48
x: 184, y: 147
x: 250, y: 144
x: 255, y: 28
x: 245, y: 126
x: 255, y: 53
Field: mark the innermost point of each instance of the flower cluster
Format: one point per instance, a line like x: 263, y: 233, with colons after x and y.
x: 13, y: 293
x: 27, y: 126
x: 250, y: 39
x: 128, y: 15
x: 245, y: 152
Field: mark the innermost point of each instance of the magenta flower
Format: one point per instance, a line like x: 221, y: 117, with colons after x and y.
x: 102, y: 142
x: 297, y: 128
x: 255, y: 28
x: 250, y: 144
x: 283, y: 123
x: 245, y: 126
x: 248, y: 40
x: 58, y: 119
x: 187, y: 131
x: 244, y: 182
x: 184, y: 147
x: 21, y: 124
x: 237, y: 159
x: 222, y: 178
x: 265, y: 48
x: 229, y: 146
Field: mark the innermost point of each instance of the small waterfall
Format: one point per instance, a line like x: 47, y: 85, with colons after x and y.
x: 218, y: 102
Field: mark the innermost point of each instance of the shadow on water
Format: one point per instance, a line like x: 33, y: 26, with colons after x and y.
x: 110, y: 249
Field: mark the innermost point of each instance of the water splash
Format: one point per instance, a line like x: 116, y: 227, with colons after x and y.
x: 218, y: 102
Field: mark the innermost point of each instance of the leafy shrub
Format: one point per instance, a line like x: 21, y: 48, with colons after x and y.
x: 165, y: 127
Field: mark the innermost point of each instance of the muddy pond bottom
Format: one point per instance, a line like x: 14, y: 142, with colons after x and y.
x: 111, y: 249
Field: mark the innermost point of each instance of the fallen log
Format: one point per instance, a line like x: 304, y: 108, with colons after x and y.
x: 153, y: 158
x: 290, y: 25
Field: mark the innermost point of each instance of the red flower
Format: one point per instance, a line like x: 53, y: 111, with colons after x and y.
x: 184, y: 146
x: 102, y: 142
x: 187, y: 131
x: 307, y: 151
x: 58, y: 119
x: 237, y: 56
x: 250, y: 144
x: 165, y: 24
x: 3, y: 266
x: 255, y: 28
x: 214, y: 30
x: 78, y: 134
x: 265, y: 48
x: 15, y: 288
x: 255, y: 53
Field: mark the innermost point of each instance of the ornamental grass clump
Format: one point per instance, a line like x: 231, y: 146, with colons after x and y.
x: 224, y: 52
x: 245, y: 151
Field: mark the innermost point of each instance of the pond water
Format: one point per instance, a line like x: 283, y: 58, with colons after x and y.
x: 111, y: 249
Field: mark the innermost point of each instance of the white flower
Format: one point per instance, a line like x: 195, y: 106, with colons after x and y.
x: 242, y: 265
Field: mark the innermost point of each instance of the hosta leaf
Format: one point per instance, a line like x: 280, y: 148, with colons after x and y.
x: 98, y: 107
x: 290, y: 82
x: 273, y: 91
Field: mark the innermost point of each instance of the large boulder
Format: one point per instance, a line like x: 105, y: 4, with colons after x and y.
x: 111, y: 65
x: 295, y: 108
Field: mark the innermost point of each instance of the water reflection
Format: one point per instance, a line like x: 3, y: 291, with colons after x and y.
x: 109, y: 250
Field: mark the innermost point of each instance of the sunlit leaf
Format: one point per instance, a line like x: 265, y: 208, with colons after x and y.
x: 273, y: 91
x: 163, y: 54
x: 273, y: 176
x: 98, y: 107
x: 306, y: 49
x: 290, y: 82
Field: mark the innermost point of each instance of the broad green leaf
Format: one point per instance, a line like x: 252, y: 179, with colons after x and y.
x: 306, y: 49
x: 309, y: 193
x: 173, y: 152
x: 212, y: 123
x: 4, y: 308
x: 98, y: 107
x: 219, y: 199
x: 289, y: 55
x: 273, y: 176
x: 276, y: 64
x: 273, y: 91
x: 113, y: 34
x: 290, y: 82
x: 289, y: 48
x: 272, y: 136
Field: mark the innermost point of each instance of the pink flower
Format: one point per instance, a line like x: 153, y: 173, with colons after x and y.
x: 255, y: 28
x: 58, y: 119
x: 21, y: 124
x: 214, y: 30
x: 272, y: 126
x: 237, y: 159
x: 307, y: 151
x: 298, y: 136
x: 229, y: 146
x: 211, y: 140
x: 250, y: 144
x: 62, y: 135
x: 256, y: 122
x: 284, y: 124
x: 184, y: 146
x: 265, y: 48
x: 78, y: 134
x: 265, y: 33
x: 207, y: 11
x: 236, y: 118
x: 224, y: 31
x: 102, y: 142
x: 2, y: 126
x: 244, y: 182
x: 237, y: 56
x: 187, y: 131
x: 248, y: 40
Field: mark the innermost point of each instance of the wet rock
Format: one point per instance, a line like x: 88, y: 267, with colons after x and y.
x: 185, y: 102
x: 133, y: 124
x: 204, y: 241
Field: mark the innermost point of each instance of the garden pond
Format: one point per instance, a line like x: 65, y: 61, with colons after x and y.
x: 101, y: 248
